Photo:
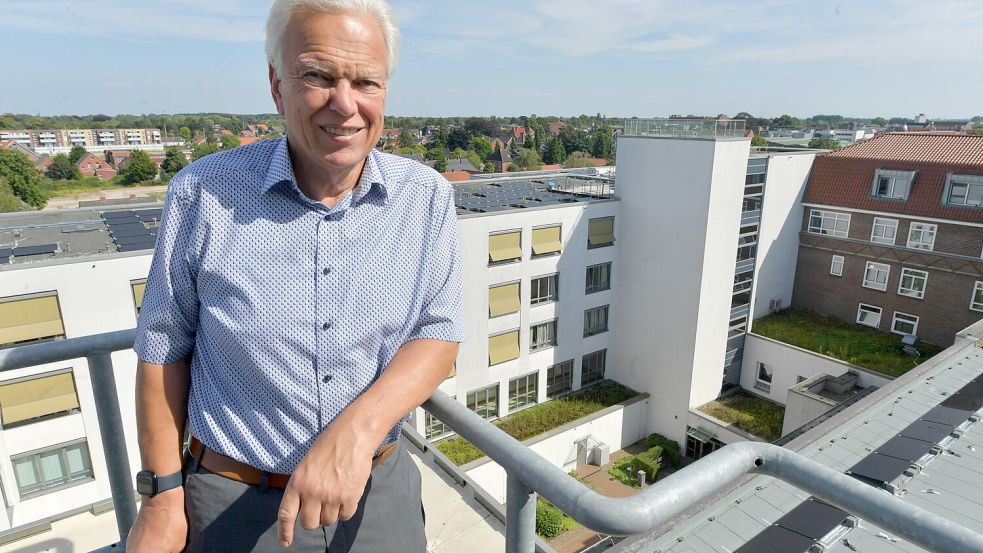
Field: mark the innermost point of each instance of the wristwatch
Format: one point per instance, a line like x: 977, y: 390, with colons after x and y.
x: 150, y: 484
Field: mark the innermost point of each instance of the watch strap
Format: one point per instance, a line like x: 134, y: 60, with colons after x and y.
x: 169, y: 481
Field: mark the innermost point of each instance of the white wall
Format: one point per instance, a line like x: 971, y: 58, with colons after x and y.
x: 617, y: 428
x: 778, y: 231
x: 679, y: 218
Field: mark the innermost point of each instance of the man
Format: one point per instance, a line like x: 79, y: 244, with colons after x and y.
x: 305, y: 294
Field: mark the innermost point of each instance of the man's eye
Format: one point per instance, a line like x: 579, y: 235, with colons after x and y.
x: 316, y: 79
x: 367, y: 85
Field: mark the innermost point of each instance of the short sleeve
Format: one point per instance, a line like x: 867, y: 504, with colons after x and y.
x: 442, y: 316
x: 168, y: 318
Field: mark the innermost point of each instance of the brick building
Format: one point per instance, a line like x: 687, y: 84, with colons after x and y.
x: 892, y: 235
x: 93, y: 165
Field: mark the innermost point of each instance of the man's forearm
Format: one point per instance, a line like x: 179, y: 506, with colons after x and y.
x: 161, y: 406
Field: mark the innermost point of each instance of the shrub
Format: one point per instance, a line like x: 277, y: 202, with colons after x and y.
x: 625, y: 471
x: 670, y: 448
x: 649, y: 462
x: 550, y: 521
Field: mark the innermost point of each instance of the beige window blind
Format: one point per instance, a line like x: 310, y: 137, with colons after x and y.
x: 600, y: 232
x: 138, y: 288
x: 505, y: 246
x: 503, y: 347
x: 37, y: 397
x: 503, y: 300
x: 30, y: 319
x: 546, y: 240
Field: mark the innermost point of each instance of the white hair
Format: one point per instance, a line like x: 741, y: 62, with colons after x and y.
x: 283, y: 10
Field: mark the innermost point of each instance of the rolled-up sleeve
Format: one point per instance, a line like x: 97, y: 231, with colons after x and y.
x: 169, y: 314
x: 441, y: 316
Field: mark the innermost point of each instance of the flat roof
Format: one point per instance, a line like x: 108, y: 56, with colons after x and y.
x: 516, y: 193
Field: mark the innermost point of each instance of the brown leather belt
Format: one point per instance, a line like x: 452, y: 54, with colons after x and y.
x: 228, y: 467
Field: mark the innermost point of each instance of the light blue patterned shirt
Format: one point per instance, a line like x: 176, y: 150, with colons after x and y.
x: 293, y: 309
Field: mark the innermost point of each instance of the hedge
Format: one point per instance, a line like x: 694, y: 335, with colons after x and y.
x: 670, y: 448
x: 550, y: 521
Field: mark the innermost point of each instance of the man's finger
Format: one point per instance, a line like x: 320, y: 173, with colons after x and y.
x: 329, y: 514
x: 287, y: 516
x: 310, y: 513
x: 347, y: 510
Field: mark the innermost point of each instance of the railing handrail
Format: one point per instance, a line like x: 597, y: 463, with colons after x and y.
x: 40, y: 353
x: 656, y: 505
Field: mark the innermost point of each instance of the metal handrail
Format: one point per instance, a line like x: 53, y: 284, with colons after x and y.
x: 658, y: 504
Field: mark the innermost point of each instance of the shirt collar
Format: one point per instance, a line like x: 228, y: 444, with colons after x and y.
x: 282, y: 170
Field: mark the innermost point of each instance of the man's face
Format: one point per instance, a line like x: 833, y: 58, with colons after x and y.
x: 333, y: 90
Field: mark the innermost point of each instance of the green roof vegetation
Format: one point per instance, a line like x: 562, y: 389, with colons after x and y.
x: 542, y: 418
x: 750, y: 413
x: 862, y: 346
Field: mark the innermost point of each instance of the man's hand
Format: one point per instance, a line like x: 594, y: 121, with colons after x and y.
x: 328, y: 483
x: 161, y: 526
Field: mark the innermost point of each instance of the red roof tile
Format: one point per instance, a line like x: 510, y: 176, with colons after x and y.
x: 845, y: 178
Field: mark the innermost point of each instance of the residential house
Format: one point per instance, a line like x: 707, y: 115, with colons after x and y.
x: 555, y: 127
x: 501, y: 159
x: 92, y: 165
x: 117, y: 158
x: 43, y: 163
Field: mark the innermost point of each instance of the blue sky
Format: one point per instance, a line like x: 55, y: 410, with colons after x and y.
x: 512, y: 57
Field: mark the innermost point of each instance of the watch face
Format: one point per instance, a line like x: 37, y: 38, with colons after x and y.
x: 145, y: 483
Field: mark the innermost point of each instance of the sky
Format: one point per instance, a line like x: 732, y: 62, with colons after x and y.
x: 620, y: 58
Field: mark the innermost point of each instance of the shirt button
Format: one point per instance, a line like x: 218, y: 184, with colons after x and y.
x: 326, y: 270
x: 326, y: 326
x: 327, y: 217
x: 327, y: 378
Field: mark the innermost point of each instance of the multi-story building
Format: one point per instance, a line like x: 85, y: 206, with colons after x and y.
x: 892, y: 235
x: 52, y: 141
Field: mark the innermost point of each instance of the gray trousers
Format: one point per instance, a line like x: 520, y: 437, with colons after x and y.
x: 229, y: 516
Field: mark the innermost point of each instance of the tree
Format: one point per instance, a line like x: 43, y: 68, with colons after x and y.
x: 62, y: 168
x: 203, y: 150
x: 602, y: 145
x: 174, y: 161
x: 230, y: 141
x: 489, y: 167
x: 759, y: 141
x: 458, y: 138
x: 77, y: 153
x: 977, y: 130
x: 442, y: 135
x: 578, y: 159
x: 468, y: 155
x: 481, y: 146
x: 9, y: 202
x: 478, y: 126
x: 185, y: 133
x: 878, y: 121
x: 555, y: 152
x: 139, y: 168
x: 17, y: 169
x: 405, y: 138
x: 528, y: 160
x: 786, y: 121
x: 824, y: 143
x: 436, y: 155
x: 574, y: 140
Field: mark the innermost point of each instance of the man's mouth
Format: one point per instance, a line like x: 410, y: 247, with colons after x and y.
x: 339, y: 131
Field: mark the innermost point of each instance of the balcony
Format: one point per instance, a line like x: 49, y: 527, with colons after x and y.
x: 530, y: 475
x: 749, y: 217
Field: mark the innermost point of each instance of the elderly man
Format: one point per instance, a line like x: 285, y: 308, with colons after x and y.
x: 305, y: 294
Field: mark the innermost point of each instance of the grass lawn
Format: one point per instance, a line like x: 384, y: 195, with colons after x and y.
x: 71, y: 188
x: 542, y: 418
x: 859, y: 345
x: 749, y: 413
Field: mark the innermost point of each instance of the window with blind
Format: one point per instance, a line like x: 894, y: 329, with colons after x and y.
x: 137, y: 287
x: 598, y: 278
x: 505, y: 247
x: 503, y: 347
x: 542, y: 335
x: 595, y: 321
x: 559, y: 378
x: 503, y: 299
x: 50, y: 469
x: 546, y: 241
x: 592, y: 367
x: 600, y: 232
x: 37, y: 397
x: 32, y: 318
x: 544, y: 289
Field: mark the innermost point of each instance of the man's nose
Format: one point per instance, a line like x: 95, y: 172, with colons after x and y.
x: 342, y: 99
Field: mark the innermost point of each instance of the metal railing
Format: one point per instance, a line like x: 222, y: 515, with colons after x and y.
x: 686, y: 128
x: 529, y: 474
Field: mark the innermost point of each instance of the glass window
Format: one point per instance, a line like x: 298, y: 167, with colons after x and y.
x: 433, y: 427
x: 484, y: 401
x: 876, y: 275
x: 913, y: 283
x: 885, y: 231
x: 592, y: 367
x: 964, y: 190
x: 763, y: 378
x: 598, y: 278
x: 976, y: 303
x: 30, y: 318
x: 546, y: 241
x: 595, y: 321
x: 544, y: 289
x: 829, y: 222
x: 503, y: 299
x: 503, y: 347
x: 38, y: 397
x: 836, y: 267
x: 869, y: 315
x: 600, y: 232
x: 542, y: 335
x: 559, y: 378
x: 505, y: 247
x: 904, y: 323
x: 138, y: 287
x: 922, y: 236
x: 52, y: 468
x: 522, y: 391
x: 892, y: 187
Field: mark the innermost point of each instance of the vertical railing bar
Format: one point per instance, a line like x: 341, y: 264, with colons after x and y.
x: 520, y: 517
x: 113, y: 441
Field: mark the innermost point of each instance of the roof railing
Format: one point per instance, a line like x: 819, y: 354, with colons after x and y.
x: 681, y: 127
x: 528, y: 474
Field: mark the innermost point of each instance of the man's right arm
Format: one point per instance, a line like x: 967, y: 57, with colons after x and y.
x: 161, y: 408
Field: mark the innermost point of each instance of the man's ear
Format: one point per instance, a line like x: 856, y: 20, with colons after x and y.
x: 275, y: 91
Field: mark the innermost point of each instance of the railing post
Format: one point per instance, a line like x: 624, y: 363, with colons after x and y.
x: 520, y: 517
x: 113, y: 441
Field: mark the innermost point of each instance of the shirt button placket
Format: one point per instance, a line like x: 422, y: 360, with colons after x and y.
x: 324, y: 299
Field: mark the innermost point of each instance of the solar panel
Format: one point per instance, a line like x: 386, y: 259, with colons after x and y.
x: 927, y: 431
x: 775, y: 539
x: 136, y: 247
x: 35, y: 250
x: 813, y: 518
x: 5, y: 253
x: 974, y: 389
x: 122, y: 233
x: 906, y: 449
x: 154, y: 212
x: 963, y: 401
x: 126, y: 225
x: 878, y: 469
x: 121, y: 240
x: 946, y: 415
x: 117, y: 214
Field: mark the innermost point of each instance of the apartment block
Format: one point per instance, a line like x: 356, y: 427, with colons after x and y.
x: 60, y: 140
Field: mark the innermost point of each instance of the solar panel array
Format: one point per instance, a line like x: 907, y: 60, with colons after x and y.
x: 813, y: 519
x: 23, y: 251
x: 492, y: 197
x: 129, y: 228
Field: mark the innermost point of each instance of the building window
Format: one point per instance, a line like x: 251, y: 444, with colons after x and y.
x: 700, y: 443
x: 503, y: 299
x: 913, y: 283
x: 876, y: 275
x: 598, y: 278
x: 544, y: 289
x: 434, y: 427
x: 30, y: 318
x: 903, y: 323
x: 54, y: 468
x: 829, y: 222
x: 503, y: 347
x: 964, y: 190
x: 546, y: 241
x: 542, y: 335
x: 38, y: 397
x: 592, y: 367
x: 976, y: 303
x: 504, y: 247
x: 484, y: 401
x: 762, y: 380
x: 522, y: 391
x: 137, y: 287
x: 600, y: 232
x: 922, y: 236
x: 836, y: 267
x: 869, y: 315
x: 885, y: 231
x: 559, y: 378
x: 595, y: 321
x: 894, y: 185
